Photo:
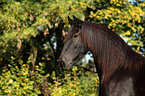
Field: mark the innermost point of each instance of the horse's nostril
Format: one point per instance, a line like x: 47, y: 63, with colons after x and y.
x: 62, y: 64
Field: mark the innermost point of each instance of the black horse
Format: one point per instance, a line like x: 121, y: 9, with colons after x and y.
x: 121, y: 70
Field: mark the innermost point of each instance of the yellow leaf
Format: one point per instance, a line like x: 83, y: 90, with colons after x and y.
x: 48, y: 58
x: 128, y: 33
x: 47, y: 75
x: 10, y: 81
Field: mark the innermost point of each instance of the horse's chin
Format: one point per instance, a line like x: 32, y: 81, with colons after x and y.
x: 68, y: 66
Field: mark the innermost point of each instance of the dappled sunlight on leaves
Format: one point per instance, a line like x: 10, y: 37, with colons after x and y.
x: 31, y: 39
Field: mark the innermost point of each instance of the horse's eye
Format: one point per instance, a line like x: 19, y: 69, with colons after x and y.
x: 75, y: 36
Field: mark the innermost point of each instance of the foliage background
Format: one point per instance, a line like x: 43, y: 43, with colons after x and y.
x: 31, y: 39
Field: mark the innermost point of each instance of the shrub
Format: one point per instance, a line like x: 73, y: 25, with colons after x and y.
x: 18, y: 81
x: 22, y: 81
x: 85, y: 85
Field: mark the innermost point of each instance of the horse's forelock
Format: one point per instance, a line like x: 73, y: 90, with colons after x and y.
x: 75, y: 26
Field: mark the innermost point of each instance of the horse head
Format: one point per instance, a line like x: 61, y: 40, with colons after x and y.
x: 74, y: 48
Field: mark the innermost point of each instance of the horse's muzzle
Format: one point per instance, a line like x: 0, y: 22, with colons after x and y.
x: 62, y: 64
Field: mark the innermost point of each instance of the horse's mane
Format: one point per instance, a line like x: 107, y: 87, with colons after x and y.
x: 110, y: 51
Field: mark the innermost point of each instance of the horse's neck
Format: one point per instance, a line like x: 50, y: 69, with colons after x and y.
x: 110, y: 53
x: 135, y: 61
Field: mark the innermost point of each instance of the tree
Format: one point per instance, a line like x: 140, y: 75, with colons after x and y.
x: 35, y: 29
x: 126, y: 19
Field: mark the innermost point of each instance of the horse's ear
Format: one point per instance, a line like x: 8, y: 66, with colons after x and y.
x: 77, y: 21
x: 70, y: 21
